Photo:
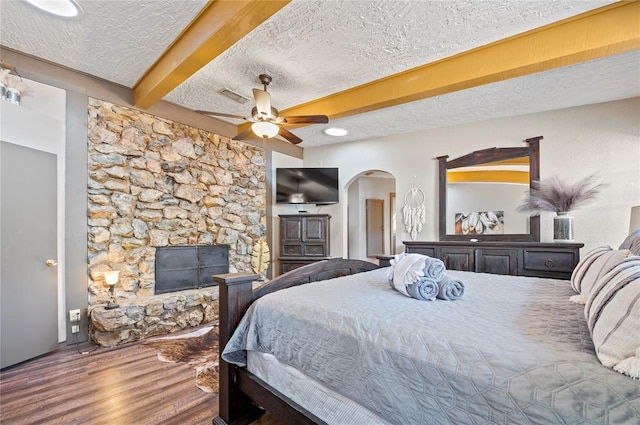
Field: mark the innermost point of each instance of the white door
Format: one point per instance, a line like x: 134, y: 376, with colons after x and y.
x: 28, y: 223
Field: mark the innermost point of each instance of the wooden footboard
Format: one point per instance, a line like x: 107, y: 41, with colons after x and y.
x: 240, y: 391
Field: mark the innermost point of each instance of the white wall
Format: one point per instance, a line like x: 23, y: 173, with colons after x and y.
x: 602, y: 138
x: 354, y: 221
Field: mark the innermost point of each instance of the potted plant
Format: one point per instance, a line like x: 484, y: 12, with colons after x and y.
x: 560, y: 197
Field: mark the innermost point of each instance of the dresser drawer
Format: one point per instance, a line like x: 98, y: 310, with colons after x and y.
x: 288, y: 264
x: 549, y: 263
x: 314, y: 250
x: 455, y: 258
x: 428, y: 251
x: 496, y: 261
x: 292, y: 250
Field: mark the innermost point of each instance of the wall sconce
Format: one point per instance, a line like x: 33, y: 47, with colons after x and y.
x: 111, y: 278
x: 11, y: 85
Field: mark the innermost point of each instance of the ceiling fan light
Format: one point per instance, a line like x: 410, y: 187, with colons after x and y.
x: 265, y: 129
x: 335, y: 131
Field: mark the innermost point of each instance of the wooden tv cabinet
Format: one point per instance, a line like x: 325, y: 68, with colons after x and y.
x: 304, y: 239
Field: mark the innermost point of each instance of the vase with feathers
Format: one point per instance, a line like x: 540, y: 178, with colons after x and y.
x: 558, y: 196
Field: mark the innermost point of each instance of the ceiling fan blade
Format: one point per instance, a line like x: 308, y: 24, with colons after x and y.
x: 263, y: 102
x: 306, y: 119
x: 292, y: 138
x: 221, y: 114
x: 243, y: 135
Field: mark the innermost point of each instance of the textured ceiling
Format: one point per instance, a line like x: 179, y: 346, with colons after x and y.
x: 592, y: 82
x: 317, y: 48
x: 115, y: 40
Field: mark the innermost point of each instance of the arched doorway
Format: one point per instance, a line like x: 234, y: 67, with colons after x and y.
x: 371, y: 220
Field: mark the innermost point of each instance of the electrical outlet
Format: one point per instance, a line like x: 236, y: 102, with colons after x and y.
x: 75, y: 329
x: 74, y: 315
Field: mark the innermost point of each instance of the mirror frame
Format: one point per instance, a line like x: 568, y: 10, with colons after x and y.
x: 532, y: 150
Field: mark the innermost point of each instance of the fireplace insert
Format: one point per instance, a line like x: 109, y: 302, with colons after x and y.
x: 189, y: 266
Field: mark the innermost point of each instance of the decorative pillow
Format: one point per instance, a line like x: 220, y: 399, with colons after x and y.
x: 632, y: 242
x: 584, y: 265
x: 599, y: 267
x: 613, y: 316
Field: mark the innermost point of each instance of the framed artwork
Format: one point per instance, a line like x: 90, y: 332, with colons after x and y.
x: 479, y: 223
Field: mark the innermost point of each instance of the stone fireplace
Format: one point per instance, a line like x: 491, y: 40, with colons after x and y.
x: 155, y: 183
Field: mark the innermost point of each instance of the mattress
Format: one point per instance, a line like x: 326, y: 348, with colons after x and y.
x: 513, y: 350
x: 328, y: 405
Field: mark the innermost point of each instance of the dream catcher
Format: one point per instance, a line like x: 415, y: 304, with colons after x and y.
x: 413, y: 211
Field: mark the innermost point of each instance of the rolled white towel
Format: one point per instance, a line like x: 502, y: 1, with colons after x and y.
x: 411, y: 267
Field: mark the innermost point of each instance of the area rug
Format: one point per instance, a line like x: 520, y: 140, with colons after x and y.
x: 199, y: 349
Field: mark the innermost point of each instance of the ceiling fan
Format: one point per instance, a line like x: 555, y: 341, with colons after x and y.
x: 267, y: 122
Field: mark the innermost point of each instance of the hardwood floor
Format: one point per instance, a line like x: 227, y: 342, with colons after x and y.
x: 125, y: 385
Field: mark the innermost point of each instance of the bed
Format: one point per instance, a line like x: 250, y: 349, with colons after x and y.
x: 333, y: 343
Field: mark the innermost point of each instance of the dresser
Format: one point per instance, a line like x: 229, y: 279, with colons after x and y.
x: 304, y: 239
x: 553, y: 260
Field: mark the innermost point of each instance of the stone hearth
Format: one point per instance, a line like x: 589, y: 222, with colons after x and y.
x: 151, y: 316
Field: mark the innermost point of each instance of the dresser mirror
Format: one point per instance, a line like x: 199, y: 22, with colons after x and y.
x: 479, y: 194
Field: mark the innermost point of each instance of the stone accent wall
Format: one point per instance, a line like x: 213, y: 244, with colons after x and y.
x: 154, y: 182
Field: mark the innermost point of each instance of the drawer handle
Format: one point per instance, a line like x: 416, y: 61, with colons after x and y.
x: 549, y: 263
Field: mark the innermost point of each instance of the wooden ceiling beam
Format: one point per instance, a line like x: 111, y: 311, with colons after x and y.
x: 603, y: 32
x: 219, y: 25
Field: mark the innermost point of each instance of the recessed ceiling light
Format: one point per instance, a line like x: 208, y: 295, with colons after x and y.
x: 62, y: 8
x: 335, y: 131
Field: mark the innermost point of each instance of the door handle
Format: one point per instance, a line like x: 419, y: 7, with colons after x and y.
x: 52, y: 263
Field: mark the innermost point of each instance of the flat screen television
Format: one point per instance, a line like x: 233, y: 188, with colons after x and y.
x: 307, y: 186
